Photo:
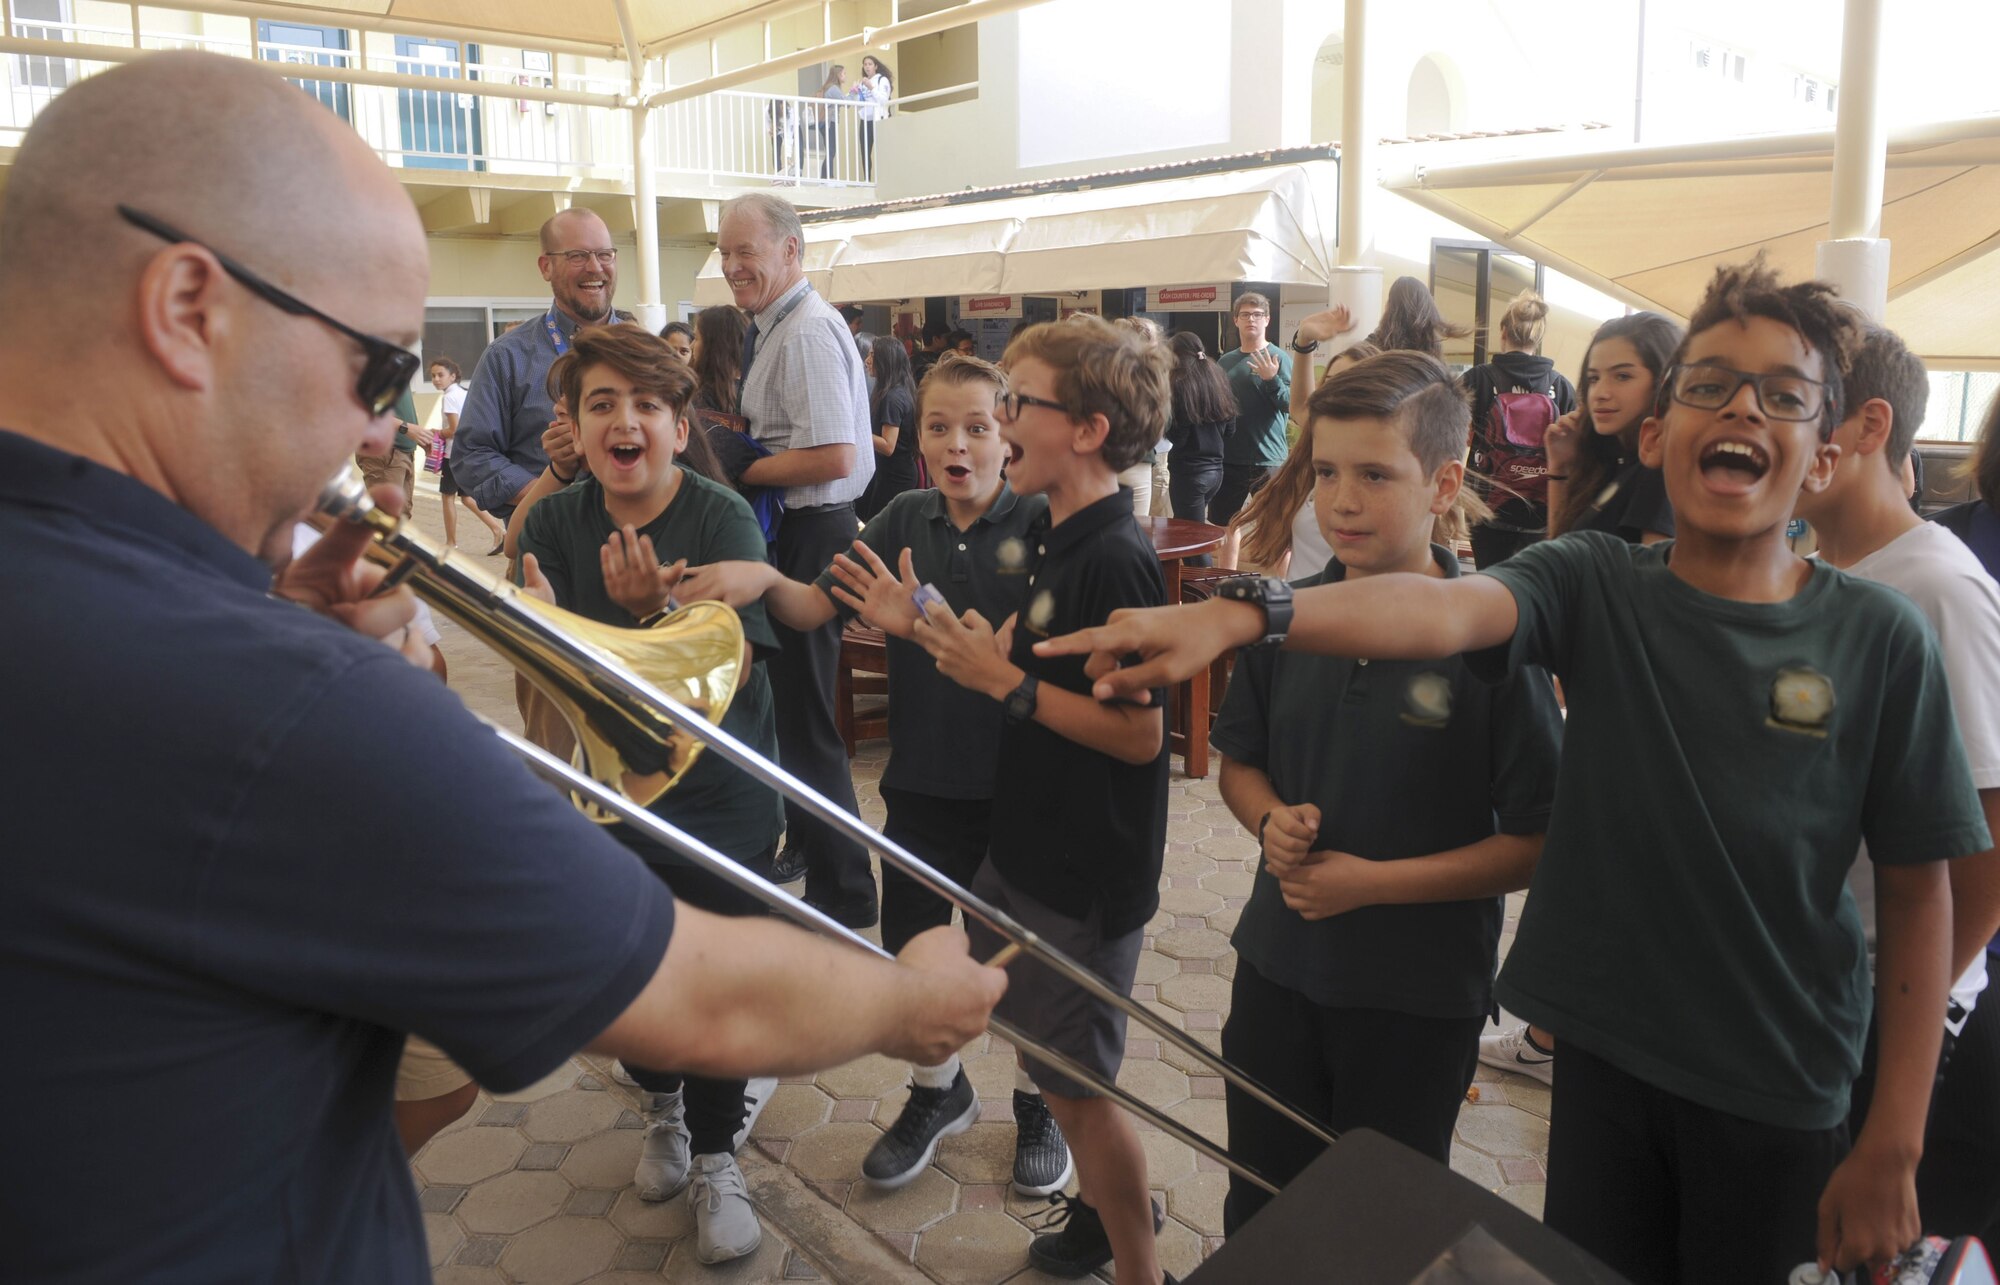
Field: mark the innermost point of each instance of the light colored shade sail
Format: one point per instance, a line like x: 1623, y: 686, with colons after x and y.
x: 1650, y: 225
x: 1270, y: 224
x: 530, y: 22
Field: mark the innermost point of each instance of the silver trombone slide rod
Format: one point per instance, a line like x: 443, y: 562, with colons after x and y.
x: 553, y: 769
x: 611, y: 679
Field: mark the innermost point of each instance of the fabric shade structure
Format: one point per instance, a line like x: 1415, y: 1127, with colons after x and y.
x: 1272, y: 224
x: 1650, y: 225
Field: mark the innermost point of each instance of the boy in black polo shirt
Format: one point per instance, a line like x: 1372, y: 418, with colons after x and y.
x: 1080, y: 800
x: 967, y: 538
x: 590, y: 549
x: 1365, y: 955
x: 1740, y: 720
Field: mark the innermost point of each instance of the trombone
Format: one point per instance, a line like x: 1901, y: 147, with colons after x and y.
x: 641, y: 701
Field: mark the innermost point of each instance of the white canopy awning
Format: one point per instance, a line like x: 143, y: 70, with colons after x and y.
x: 1269, y: 224
x: 1650, y: 225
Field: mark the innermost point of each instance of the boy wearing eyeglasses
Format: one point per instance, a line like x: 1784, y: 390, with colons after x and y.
x: 1080, y: 790
x: 1260, y: 374
x: 1740, y: 721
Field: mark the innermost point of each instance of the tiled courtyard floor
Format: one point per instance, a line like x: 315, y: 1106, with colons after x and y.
x: 535, y: 1187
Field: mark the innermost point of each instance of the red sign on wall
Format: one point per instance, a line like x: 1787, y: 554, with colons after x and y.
x: 992, y: 305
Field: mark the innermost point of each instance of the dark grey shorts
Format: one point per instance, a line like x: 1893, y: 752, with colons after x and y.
x: 1045, y: 1005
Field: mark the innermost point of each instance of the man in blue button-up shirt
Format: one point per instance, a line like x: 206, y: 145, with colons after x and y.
x: 507, y: 406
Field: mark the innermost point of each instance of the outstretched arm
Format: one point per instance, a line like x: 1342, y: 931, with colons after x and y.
x: 1392, y: 617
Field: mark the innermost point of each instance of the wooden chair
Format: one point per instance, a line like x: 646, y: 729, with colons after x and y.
x: 867, y: 651
x: 1193, y: 704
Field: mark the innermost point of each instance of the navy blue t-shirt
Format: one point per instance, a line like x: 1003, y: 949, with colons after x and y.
x: 227, y: 894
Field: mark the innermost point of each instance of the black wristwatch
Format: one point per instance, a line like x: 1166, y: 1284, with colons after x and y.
x: 1261, y: 823
x: 1268, y: 592
x: 1303, y: 349
x: 1020, y: 703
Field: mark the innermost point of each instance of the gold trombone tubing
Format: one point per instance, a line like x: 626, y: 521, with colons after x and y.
x: 534, y: 641
x: 562, y: 774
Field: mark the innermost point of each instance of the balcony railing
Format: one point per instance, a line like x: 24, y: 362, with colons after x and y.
x: 731, y: 138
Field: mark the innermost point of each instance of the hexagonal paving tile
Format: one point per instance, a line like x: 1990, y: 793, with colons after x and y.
x: 1190, y: 992
x: 1531, y: 1096
x: 1197, y: 1201
x: 645, y: 1220
x: 1189, y: 901
x: 792, y: 1110
x: 1155, y: 1083
x: 572, y: 1116
x: 606, y: 1160
x: 467, y: 1276
x: 1504, y: 1131
x: 441, y: 1233
x: 1234, y: 846
x: 1528, y: 1198
x: 1230, y: 880
x: 1205, y: 1116
x: 869, y: 1077
x: 992, y: 1076
x: 562, y: 1251
x: 1475, y: 1167
x: 764, y: 1266
x: 832, y: 1152
x: 912, y: 1207
x: 471, y: 1155
x: 974, y: 1248
x: 1186, y: 832
x: 1188, y: 863
x: 984, y: 1153
x: 1154, y: 968
x: 1192, y: 943
x: 513, y: 1202
x: 1179, y: 1249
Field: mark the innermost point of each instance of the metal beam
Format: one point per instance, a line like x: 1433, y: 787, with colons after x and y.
x: 645, y: 178
x: 867, y: 40
x: 331, y: 16
x: 344, y: 75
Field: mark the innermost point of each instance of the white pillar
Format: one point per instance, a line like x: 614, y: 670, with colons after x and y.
x: 1855, y: 258
x: 1356, y: 285
x: 651, y: 312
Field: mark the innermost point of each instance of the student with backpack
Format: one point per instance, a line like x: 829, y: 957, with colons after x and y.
x: 1515, y: 398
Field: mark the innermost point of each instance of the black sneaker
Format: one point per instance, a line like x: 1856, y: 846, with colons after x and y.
x: 928, y: 1118
x: 859, y: 914
x: 1041, y: 1157
x: 790, y: 865
x: 1076, y: 1244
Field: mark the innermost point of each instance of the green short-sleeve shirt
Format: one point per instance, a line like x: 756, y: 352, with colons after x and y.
x: 944, y: 739
x: 1403, y: 758
x: 1689, y: 919
x: 707, y: 522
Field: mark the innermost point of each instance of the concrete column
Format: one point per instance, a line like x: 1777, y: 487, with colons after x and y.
x: 1855, y: 258
x: 651, y: 312
x: 1356, y: 285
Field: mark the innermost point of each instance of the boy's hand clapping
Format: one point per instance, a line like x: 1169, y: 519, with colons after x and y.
x: 633, y: 576
x: 969, y: 652
x: 737, y: 583
x: 1289, y: 836
x: 885, y: 599
x: 534, y: 582
x: 559, y: 444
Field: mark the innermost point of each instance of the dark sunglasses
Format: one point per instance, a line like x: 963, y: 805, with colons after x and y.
x: 390, y: 368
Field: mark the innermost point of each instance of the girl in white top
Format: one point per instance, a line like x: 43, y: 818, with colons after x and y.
x: 446, y: 378
x: 874, y: 90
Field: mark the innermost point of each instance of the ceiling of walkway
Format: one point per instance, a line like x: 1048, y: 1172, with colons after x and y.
x: 657, y: 24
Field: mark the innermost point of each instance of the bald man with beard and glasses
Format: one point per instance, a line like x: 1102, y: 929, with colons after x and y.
x: 507, y: 405
x: 211, y: 953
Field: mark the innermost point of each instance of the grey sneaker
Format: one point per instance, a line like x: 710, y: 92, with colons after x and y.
x: 663, y: 1156
x: 725, y: 1224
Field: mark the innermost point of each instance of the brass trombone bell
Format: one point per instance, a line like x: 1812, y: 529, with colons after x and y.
x: 605, y: 680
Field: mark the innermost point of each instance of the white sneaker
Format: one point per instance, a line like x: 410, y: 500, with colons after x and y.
x: 663, y: 1156
x: 756, y: 1096
x: 623, y: 1076
x: 1510, y: 1051
x: 725, y: 1223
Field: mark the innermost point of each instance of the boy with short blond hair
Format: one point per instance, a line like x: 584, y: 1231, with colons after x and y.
x: 1740, y: 720
x: 1079, y: 807
x: 967, y: 538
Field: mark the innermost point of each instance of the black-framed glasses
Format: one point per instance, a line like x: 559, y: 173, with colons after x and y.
x: 583, y: 258
x: 390, y: 367
x: 1012, y: 402
x: 1782, y: 396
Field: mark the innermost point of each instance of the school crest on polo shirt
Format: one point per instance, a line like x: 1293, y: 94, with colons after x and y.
x: 1011, y: 556
x: 1427, y: 700
x: 1041, y: 612
x: 1801, y: 701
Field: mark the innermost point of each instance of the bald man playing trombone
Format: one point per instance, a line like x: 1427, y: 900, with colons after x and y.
x: 219, y: 915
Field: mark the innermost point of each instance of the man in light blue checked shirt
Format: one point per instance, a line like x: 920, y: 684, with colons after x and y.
x: 806, y: 400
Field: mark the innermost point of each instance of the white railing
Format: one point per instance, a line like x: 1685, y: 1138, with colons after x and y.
x: 788, y: 140
x: 729, y: 138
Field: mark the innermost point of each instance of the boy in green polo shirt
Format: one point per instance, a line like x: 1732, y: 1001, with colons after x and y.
x: 1740, y: 720
x: 967, y: 539
x: 590, y: 549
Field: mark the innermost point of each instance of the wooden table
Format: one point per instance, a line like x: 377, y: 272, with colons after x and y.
x: 1175, y: 540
